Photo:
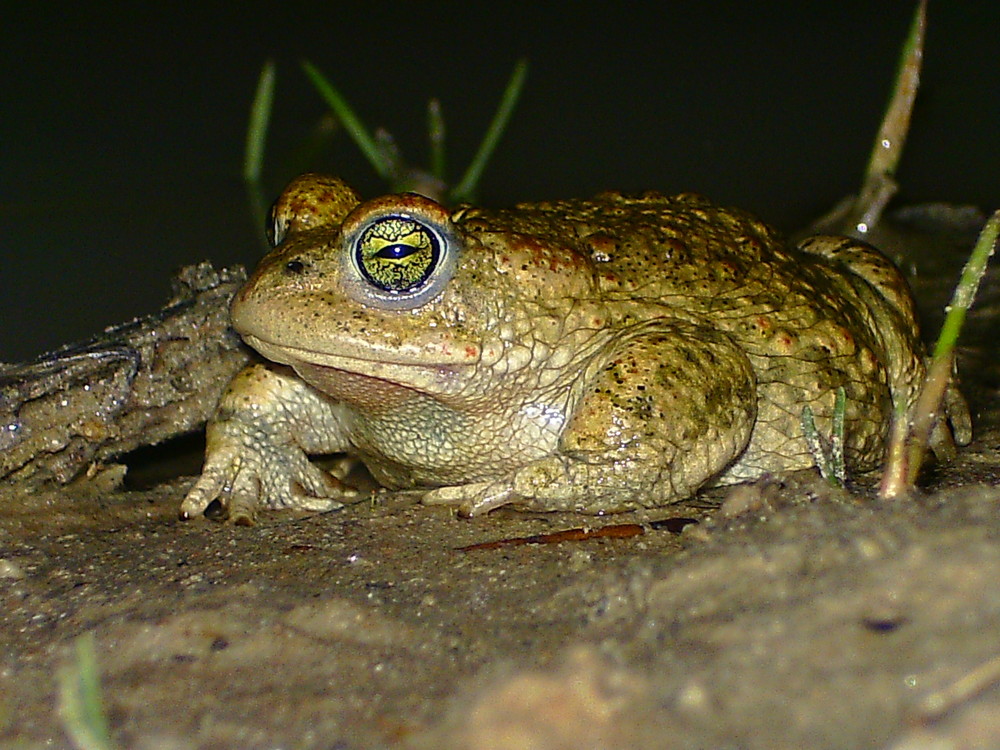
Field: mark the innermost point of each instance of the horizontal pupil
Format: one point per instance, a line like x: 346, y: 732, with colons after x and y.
x: 395, y: 252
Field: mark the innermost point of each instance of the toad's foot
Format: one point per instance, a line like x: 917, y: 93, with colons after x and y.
x: 244, y: 475
x: 590, y: 484
x: 473, y: 499
x: 257, y: 449
x: 556, y: 483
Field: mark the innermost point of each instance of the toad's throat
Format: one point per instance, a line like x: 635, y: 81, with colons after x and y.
x: 367, y: 383
x: 371, y: 395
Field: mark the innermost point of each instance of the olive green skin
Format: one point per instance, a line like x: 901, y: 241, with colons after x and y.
x: 589, y: 356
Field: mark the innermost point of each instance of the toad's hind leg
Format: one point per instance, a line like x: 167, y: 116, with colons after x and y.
x: 883, y: 289
x: 671, y: 409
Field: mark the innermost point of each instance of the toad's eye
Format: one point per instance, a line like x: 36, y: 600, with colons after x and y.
x: 402, y: 258
x: 397, y: 254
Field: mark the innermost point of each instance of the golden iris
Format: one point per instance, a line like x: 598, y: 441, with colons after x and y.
x: 397, y: 253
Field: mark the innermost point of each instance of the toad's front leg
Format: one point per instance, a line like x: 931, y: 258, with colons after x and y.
x: 258, y: 444
x: 668, y: 412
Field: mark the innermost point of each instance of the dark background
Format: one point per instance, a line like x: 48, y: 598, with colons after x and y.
x: 122, y: 130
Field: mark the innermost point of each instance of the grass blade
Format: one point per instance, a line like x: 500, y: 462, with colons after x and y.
x: 466, y: 187
x: 80, y: 699
x: 436, y: 135
x: 967, y: 287
x: 260, y: 119
x: 908, y: 446
x: 351, y: 122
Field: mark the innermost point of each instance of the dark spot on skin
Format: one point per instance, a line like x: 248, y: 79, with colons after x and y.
x: 295, y: 266
x: 882, y: 624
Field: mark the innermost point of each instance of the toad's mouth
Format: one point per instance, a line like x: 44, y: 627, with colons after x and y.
x: 327, y: 371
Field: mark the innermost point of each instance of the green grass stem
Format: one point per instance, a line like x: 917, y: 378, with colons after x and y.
x: 436, y: 139
x: 351, y: 122
x: 967, y: 287
x: 466, y: 187
x: 260, y: 119
x: 80, y: 702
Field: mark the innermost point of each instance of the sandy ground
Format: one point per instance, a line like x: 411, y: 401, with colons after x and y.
x: 787, y: 614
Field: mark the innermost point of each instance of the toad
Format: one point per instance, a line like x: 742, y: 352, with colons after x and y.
x: 583, y: 355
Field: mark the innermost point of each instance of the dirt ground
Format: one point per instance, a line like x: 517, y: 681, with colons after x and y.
x: 787, y: 614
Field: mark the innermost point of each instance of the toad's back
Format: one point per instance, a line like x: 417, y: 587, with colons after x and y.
x: 832, y: 312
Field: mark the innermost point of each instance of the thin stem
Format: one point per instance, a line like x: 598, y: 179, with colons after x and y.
x: 879, y: 184
x: 80, y: 704
x: 909, y: 443
x: 351, y: 122
x: 467, y: 185
x: 891, y: 136
x: 260, y: 119
x: 435, y: 136
x: 967, y: 287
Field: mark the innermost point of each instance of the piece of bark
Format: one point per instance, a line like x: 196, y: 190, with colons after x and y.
x: 136, y: 384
